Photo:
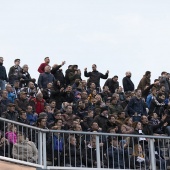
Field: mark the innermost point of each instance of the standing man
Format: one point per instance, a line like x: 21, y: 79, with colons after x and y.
x: 3, y: 75
x: 127, y: 82
x: 15, y: 72
x: 145, y: 81
x: 41, y: 68
x: 95, y: 76
x: 45, y: 78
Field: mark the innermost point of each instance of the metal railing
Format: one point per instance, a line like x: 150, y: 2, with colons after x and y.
x: 48, y: 149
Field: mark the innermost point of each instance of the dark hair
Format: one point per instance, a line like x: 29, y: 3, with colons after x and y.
x: 147, y: 73
x: 16, y: 60
x: 46, y: 58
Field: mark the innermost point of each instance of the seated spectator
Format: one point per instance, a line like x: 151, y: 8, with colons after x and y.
x: 38, y: 103
x: 87, y: 121
x: 118, y: 157
x: 157, y: 105
x: 106, y: 93
x: 16, y: 88
x: 31, y: 116
x: 55, y: 146
x: 22, y: 102
x: 4, y: 100
x: 155, y: 121
x: 11, y: 113
x: 121, y: 94
x: 11, y: 135
x: 68, y: 95
x: 139, y: 160
x: 4, y: 143
x: 136, y: 105
x: 73, y: 157
x: 11, y: 95
x: 102, y: 118
x: 90, y: 155
x: 127, y: 126
x: 25, y: 76
x: 81, y: 110
x: 30, y: 90
x: 25, y: 150
x: 47, y: 92
x: 114, y: 107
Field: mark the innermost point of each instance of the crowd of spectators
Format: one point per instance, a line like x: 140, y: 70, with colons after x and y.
x: 59, y: 100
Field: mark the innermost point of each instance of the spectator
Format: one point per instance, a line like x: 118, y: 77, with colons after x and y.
x: 38, y: 103
x: 136, y: 105
x: 15, y: 72
x: 118, y: 157
x: 3, y: 75
x: 145, y: 81
x: 31, y: 116
x: 72, y: 154
x: 165, y: 81
x: 74, y: 74
x: 25, y: 76
x: 16, y: 88
x: 41, y: 68
x: 11, y: 95
x: 10, y: 114
x: 22, y: 102
x: 139, y: 160
x: 127, y: 128
x: 25, y: 150
x: 127, y: 82
x: 11, y: 135
x: 151, y: 96
x: 47, y: 92
x: 95, y: 76
x: 4, y: 143
x: 114, y: 107
x: 55, y: 146
x: 45, y: 78
x: 102, y: 119
x: 4, y: 100
x: 112, y: 83
x: 58, y: 74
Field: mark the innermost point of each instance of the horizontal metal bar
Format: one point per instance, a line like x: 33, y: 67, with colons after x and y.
x: 87, y: 133
x: 20, y: 162
x: 21, y: 124
x: 79, y: 168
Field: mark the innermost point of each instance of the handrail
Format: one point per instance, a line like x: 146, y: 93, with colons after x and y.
x: 87, y: 133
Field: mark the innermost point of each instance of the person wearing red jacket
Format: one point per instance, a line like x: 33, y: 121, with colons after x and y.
x: 43, y: 65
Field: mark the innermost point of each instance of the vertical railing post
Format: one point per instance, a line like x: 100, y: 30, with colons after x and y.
x: 39, y: 147
x: 44, y: 151
x: 152, y: 153
x: 98, y: 152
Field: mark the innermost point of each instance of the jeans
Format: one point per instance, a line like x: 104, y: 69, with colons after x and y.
x: 2, y: 85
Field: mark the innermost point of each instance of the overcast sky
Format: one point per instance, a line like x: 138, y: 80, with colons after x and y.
x: 116, y: 35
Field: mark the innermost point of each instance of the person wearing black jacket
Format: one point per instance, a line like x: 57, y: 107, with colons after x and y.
x: 127, y: 82
x: 3, y: 75
x: 58, y: 74
x: 112, y: 83
x: 95, y: 76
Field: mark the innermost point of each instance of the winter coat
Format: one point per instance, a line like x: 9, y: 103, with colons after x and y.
x: 14, y: 74
x: 44, y: 79
x: 21, y: 105
x: 25, y: 151
x: 112, y: 85
x: 143, y: 83
x: 128, y: 84
x: 136, y: 105
x: 3, y: 75
x: 94, y: 77
x: 58, y: 74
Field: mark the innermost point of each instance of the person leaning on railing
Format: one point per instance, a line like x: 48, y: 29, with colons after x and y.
x: 24, y: 150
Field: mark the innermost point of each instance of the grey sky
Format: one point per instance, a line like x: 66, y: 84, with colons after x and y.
x: 117, y: 35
